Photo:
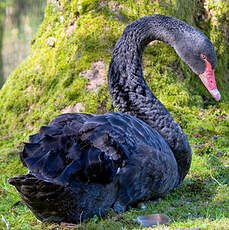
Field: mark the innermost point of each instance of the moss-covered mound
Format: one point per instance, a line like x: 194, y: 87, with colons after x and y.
x: 66, y: 72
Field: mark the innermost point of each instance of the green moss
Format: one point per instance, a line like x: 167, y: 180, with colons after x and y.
x: 73, y: 35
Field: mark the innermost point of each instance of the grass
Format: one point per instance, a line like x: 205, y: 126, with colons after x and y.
x: 51, y: 78
x: 200, y: 202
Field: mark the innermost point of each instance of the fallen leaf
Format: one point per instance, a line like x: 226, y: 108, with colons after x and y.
x: 68, y: 225
x: 152, y: 219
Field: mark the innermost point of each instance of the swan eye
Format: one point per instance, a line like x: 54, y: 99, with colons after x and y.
x: 203, y: 56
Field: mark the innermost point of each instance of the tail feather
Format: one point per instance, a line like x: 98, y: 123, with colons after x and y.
x: 54, y: 202
x: 43, y: 197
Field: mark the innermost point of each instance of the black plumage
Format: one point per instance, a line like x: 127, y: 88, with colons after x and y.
x: 81, y: 165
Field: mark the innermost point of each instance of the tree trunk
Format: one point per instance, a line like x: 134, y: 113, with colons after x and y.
x: 67, y: 66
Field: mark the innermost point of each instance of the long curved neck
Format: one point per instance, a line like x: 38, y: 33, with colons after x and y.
x: 131, y: 94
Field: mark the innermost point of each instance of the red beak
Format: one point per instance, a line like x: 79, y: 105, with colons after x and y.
x: 208, y: 78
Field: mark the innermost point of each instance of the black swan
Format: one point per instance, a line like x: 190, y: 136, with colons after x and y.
x: 80, y: 165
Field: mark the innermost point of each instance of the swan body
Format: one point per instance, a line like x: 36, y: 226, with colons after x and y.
x: 80, y: 165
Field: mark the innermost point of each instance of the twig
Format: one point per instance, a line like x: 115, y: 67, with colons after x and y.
x: 213, y: 178
x: 6, y: 222
x: 81, y: 217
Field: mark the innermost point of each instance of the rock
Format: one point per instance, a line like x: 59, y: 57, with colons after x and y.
x: 95, y: 75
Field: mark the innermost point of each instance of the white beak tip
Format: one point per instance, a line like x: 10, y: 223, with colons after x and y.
x: 216, y: 94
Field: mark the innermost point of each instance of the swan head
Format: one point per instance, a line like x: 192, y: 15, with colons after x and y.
x: 197, y: 51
